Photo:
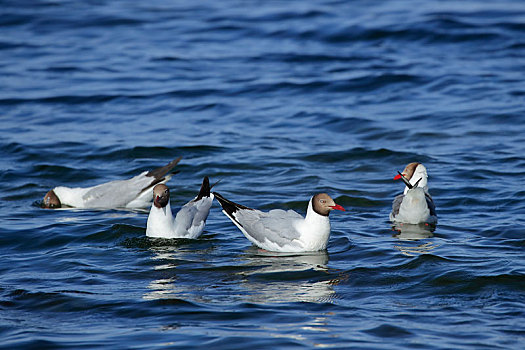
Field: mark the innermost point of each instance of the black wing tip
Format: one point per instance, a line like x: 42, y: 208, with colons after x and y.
x: 223, y: 201
x: 160, y: 172
x: 405, y: 180
x: 229, y: 206
x: 205, y: 188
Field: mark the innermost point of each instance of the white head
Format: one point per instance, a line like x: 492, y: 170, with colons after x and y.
x: 415, y: 172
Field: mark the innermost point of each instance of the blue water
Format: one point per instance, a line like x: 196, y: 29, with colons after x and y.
x: 280, y: 100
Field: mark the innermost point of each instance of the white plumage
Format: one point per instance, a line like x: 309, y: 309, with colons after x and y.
x: 284, y: 230
x: 415, y: 205
x: 130, y: 193
x: 189, y: 221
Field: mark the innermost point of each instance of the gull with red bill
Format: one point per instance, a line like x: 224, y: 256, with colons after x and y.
x: 189, y: 221
x: 284, y: 230
x: 415, y: 205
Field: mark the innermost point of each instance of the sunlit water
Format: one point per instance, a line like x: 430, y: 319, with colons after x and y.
x: 280, y: 100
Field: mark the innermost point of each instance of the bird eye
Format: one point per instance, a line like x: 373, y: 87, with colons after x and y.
x: 322, y: 201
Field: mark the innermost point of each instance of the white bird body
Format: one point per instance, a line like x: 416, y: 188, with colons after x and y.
x: 160, y: 222
x: 189, y: 221
x: 413, y: 208
x: 415, y: 205
x: 130, y: 193
x: 283, y: 230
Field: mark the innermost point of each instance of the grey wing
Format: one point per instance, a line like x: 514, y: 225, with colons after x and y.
x: 430, y: 204
x: 396, y: 204
x: 276, y: 226
x: 193, y: 214
x: 116, y: 193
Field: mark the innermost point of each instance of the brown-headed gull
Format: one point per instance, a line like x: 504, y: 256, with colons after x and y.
x: 284, y: 230
x: 189, y: 221
x: 415, y: 205
x: 131, y: 193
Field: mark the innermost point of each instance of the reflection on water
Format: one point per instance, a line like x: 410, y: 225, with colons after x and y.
x: 162, y: 289
x: 263, y: 277
x: 171, y: 262
x: 413, y: 233
x: 277, y: 277
x: 410, y: 232
x: 408, y: 250
x: 284, y: 262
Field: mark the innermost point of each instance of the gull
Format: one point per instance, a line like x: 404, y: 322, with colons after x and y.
x: 284, y: 230
x: 189, y: 221
x: 130, y: 193
x: 415, y: 205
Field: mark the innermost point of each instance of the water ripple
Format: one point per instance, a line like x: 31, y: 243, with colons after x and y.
x: 278, y: 101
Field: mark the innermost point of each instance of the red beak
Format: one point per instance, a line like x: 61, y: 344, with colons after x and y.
x: 338, y: 207
x: 397, y: 177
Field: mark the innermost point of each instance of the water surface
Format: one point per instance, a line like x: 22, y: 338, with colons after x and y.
x: 280, y: 100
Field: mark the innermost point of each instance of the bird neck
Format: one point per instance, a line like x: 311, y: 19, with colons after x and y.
x: 315, y: 230
x: 165, y: 212
x: 160, y: 221
x: 313, y: 217
x: 422, y: 184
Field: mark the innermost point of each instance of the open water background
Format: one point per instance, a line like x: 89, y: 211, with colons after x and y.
x: 280, y: 100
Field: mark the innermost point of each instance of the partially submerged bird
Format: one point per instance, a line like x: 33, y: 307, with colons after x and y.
x: 284, y: 230
x: 189, y: 221
x: 415, y: 205
x: 131, y: 193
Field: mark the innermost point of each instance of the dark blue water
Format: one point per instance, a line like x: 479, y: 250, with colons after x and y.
x: 280, y: 100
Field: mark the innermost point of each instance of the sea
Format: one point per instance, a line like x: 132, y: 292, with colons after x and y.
x: 278, y: 100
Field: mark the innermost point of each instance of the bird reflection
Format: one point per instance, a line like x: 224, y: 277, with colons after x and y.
x: 254, y: 276
x: 413, y: 233
x: 284, y: 262
x: 280, y: 277
x: 167, y: 261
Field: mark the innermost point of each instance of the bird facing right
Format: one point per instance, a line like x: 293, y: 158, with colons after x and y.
x: 284, y: 230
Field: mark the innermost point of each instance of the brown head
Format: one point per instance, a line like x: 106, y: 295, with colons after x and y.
x: 408, y: 172
x: 161, y: 195
x: 323, y: 204
x: 51, y: 200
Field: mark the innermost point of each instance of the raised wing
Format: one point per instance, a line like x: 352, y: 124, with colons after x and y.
x: 116, y: 193
x: 191, y: 218
x: 119, y: 193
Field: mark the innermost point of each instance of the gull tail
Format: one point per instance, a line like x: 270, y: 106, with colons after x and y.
x: 159, y: 173
x: 228, y: 206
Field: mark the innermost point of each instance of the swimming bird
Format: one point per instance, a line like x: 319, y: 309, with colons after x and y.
x: 284, y: 230
x: 189, y: 221
x: 131, y: 193
x: 415, y: 205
